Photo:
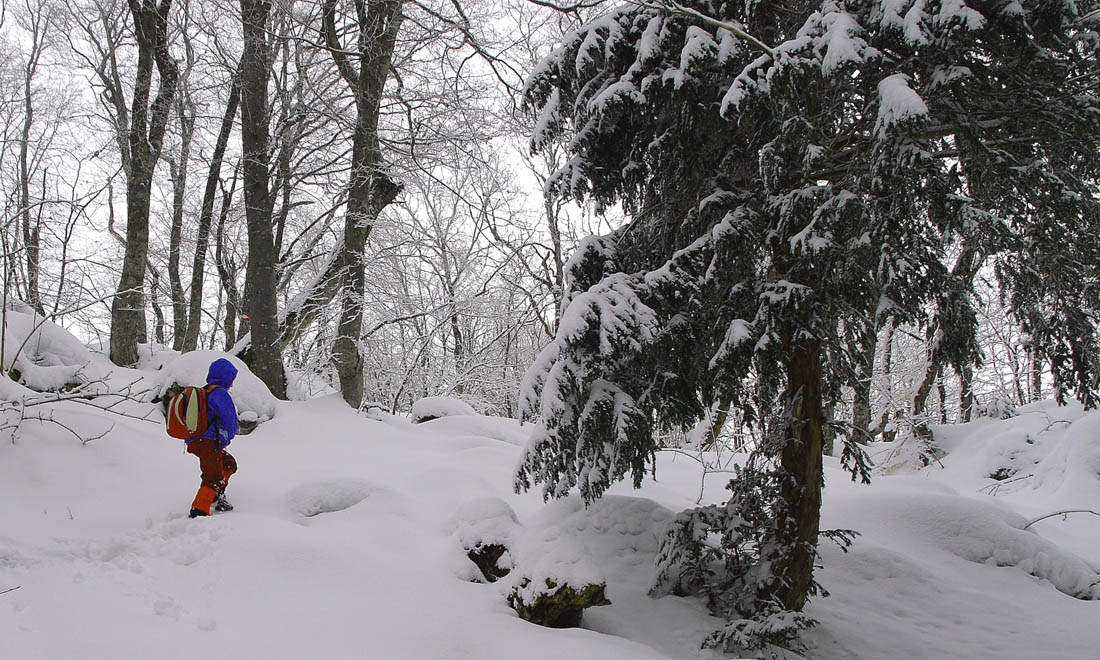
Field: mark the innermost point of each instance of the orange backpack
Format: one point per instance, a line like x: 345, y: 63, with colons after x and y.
x: 186, y: 415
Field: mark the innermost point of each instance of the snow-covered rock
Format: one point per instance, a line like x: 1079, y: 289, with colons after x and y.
x: 434, y: 407
x: 46, y: 356
x: 255, y: 403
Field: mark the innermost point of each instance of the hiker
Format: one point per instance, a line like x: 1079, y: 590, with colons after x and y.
x: 216, y: 463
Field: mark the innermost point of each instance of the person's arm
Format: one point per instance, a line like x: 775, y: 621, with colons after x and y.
x: 225, y: 414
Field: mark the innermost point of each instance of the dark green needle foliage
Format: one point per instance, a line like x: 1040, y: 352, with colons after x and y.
x: 852, y: 164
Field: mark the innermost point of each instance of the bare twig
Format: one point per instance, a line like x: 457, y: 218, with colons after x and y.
x: 8, y: 591
x: 1060, y: 513
x: 567, y: 8
x: 993, y: 488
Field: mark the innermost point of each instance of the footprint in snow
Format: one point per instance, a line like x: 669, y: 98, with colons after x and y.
x: 319, y: 497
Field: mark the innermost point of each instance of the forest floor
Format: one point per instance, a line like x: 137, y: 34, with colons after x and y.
x: 346, y: 542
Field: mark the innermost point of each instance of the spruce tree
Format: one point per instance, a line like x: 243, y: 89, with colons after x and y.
x: 795, y: 172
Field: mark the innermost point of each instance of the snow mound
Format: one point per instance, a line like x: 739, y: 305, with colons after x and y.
x: 434, y: 407
x: 484, y: 521
x: 478, y: 525
x: 1070, y: 470
x: 315, y: 498
x: 253, y: 400
x: 1047, y: 450
x: 494, y: 428
x: 569, y: 544
x: 46, y: 355
x: 978, y: 532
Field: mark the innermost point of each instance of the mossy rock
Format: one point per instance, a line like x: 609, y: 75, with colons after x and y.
x: 485, y: 557
x: 558, y: 607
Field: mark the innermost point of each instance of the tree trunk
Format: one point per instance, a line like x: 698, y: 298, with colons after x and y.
x: 861, y: 385
x: 942, y: 390
x: 261, y: 299
x: 369, y: 189
x: 964, y: 270
x: 966, y: 394
x: 206, y: 215
x: 800, y: 513
x: 1036, y: 375
x: 920, y: 398
x: 31, y: 227
x: 325, y: 288
x: 146, y: 136
x: 186, y: 113
x: 227, y: 269
x: 719, y: 413
x: 887, y: 372
x: 154, y: 297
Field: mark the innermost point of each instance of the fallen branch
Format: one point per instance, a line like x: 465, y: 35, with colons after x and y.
x: 87, y: 394
x: 994, y: 487
x: 1060, y: 513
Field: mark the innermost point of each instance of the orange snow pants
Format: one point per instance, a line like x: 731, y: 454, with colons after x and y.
x: 217, y: 465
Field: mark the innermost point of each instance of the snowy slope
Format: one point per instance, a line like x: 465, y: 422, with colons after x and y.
x: 347, y: 543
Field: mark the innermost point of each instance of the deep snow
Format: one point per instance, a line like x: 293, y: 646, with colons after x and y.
x: 347, y: 542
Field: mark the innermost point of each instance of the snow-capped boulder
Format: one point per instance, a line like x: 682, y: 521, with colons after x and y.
x: 434, y: 407
x: 42, y: 355
x: 486, y: 528
x: 255, y: 403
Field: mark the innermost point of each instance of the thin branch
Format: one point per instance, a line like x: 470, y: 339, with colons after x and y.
x: 567, y: 9
x: 1060, y: 513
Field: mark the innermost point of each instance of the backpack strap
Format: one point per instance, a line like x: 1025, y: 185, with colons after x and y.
x: 208, y: 388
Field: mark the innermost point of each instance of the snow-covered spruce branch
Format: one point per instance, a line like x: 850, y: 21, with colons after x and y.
x: 674, y: 7
x: 1060, y: 513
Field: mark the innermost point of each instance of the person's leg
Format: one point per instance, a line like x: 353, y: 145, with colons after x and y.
x: 213, y: 478
x: 229, y: 466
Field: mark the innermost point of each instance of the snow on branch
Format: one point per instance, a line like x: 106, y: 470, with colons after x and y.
x: 897, y: 103
x: 674, y: 7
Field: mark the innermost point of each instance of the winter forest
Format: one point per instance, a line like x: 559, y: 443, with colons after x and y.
x: 709, y: 329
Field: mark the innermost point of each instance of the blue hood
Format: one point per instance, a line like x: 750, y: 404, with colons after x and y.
x: 222, y: 373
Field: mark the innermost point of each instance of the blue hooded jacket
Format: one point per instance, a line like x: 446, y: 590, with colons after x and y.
x: 220, y: 411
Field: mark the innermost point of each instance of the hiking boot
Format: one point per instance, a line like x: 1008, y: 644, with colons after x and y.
x: 221, y: 503
x: 195, y: 513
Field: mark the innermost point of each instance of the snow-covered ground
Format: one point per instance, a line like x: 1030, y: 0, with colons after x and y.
x: 347, y: 542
